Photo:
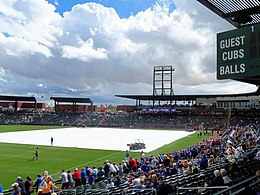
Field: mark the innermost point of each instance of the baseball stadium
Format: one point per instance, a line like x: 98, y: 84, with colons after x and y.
x: 164, y: 143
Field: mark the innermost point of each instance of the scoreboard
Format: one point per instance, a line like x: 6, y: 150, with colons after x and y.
x: 238, y: 53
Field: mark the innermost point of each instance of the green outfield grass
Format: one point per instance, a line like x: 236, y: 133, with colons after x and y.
x: 16, y: 159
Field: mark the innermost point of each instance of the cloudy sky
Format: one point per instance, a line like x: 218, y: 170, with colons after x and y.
x: 101, y: 48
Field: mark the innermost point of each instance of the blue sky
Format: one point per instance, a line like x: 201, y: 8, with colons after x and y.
x: 124, y: 8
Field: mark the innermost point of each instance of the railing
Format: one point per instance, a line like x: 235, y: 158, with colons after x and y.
x: 10, y: 191
x: 152, y: 190
x: 201, y: 189
x: 122, y: 191
x: 241, y: 187
x: 89, y: 191
x: 106, y: 191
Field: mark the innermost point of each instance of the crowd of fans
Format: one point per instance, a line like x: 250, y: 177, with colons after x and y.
x: 215, y: 162
x: 119, y: 119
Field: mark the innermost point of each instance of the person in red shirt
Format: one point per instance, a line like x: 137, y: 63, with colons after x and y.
x: 77, y: 177
x: 131, y: 163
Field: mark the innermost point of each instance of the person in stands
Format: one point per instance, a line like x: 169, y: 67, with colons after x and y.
x: 77, y: 177
x: 47, y: 186
x: 28, y: 184
x: 218, y: 180
x: 64, y: 179
x: 37, y: 182
x: 16, y: 189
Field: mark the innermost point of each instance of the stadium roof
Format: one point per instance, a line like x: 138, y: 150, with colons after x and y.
x: 179, y: 97
x: 237, y: 12
x: 18, y: 98
x: 72, y: 100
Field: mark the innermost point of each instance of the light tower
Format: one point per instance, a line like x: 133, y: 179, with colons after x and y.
x: 162, y: 80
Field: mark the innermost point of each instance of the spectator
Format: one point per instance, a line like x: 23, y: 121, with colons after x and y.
x: 218, y: 180
x: 226, y: 179
x: 116, y: 168
x: 16, y: 189
x: 112, y: 169
x: 162, y: 188
x: 117, y: 181
x: 233, y: 167
x: 37, y: 182
x: 211, y: 160
x: 109, y: 184
x: 120, y: 169
x: 125, y: 167
x: 71, y: 182
x: 226, y: 164
x: 154, y: 180
x: 20, y: 182
x: 77, y: 177
x: 83, y: 175
x: 174, y: 169
x: 148, y: 183
x: 203, y: 162
x: 141, y: 185
x: 106, y: 169
x: 64, y: 179
x: 47, y: 186
x: 146, y: 167
x: 28, y: 184
x: 100, y: 174
x: 91, y: 178
x: 257, y: 156
x: 88, y: 171
x: 131, y: 179
x: 136, y: 180
x: 132, y: 165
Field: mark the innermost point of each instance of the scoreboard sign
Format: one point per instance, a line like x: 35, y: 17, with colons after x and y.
x: 238, y: 53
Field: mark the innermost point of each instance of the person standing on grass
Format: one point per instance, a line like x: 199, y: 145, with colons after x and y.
x: 36, y: 153
x: 51, y: 141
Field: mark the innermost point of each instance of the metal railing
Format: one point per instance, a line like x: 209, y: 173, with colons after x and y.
x: 242, y: 186
x: 201, y: 189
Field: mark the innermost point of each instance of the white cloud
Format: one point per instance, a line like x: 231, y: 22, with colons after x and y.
x: 84, y: 52
x: 32, y: 26
x: 91, y: 51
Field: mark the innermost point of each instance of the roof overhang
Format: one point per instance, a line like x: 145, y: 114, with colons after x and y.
x: 180, y: 97
x: 72, y: 100
x: 238, y: 13
x: 17, y: 98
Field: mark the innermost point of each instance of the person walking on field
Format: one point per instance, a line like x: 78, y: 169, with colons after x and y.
x: 36, y: 154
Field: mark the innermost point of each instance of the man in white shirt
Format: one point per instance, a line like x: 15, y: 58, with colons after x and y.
x: 64, y: 179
